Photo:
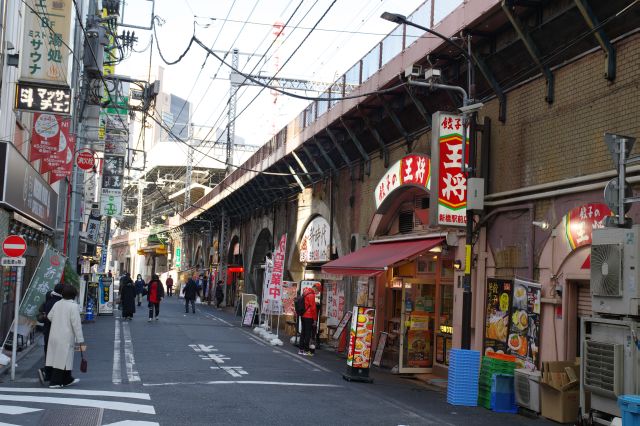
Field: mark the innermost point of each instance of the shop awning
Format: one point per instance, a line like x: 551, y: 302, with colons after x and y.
x: 376, y: 258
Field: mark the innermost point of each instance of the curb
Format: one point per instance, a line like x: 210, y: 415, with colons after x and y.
x: 4, y: 370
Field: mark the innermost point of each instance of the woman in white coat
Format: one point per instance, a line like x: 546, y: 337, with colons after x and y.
x: 66, y: 332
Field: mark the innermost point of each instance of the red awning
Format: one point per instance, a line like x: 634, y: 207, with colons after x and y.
x: 375, y: 258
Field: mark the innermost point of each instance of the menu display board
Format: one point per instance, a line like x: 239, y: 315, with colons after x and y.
x: 249, y: 313
x: 524, y: 333
x: 497, y: 320
x: 105, y: 293
x: 382, y: 342
x: 360, y: 336
x: 289, y: 291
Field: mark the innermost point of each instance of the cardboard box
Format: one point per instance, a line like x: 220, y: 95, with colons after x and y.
x: 559, y: 394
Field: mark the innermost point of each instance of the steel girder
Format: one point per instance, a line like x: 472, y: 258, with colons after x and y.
x: 312, y: 159
x: 396, y: 122
x: 333, y: 138
x: 325, y: 155
x: 384, y: 151
x: 602, y: 38
x: 356, y: 141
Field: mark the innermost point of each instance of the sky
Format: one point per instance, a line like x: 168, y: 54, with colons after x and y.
x: 346, y: 30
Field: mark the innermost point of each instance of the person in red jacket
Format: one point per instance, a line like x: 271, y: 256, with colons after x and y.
x: 309, y: 316
x: 155, y: 293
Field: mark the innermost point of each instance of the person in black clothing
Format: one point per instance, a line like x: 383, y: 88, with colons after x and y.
x: 44, y: 373
x: 127, y: 297
x: 219, y: 294
x: 190, y: 293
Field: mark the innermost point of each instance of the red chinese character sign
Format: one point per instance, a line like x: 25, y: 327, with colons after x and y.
x: 580, y: 222
x: 273, y: 297
x: 412, y: 170
x: 449, y: 195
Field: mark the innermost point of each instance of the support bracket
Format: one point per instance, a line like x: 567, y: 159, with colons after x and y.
x: 384, y: 151
x: 334, y: 139
x: 602, y: 38
x: 396, y: 122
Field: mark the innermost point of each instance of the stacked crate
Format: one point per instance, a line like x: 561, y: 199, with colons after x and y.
x: 492, y: 365
x: 462, y: 386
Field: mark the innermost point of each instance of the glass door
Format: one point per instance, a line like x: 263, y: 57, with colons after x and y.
x: 417, y: 325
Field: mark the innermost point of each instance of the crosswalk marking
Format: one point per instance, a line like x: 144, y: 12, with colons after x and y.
x: 87, y: 392
x: 130, y: 362
x: 81, y: 402
x: 133, y: 423
x: 116, y: 377
x: 14, y: 409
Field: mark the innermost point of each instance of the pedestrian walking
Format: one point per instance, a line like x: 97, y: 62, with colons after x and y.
x: 169, y: 285
x: 140, y: 284
x: 202, y: 288
x: 310, y: 315
x: 128, y: 292
x: 66, y: 332
x: 190, y: 293
x: 44, y: 373
x: 219, y: 294
x: 155, y: 293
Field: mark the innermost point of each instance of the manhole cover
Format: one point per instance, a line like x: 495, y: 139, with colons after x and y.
x: 73, y: 417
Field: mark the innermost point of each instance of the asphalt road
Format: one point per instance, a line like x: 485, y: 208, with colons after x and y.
x: 204, y: 369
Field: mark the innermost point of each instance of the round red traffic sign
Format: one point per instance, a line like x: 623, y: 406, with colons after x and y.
x: 14, y: 246
x: 86, y: 159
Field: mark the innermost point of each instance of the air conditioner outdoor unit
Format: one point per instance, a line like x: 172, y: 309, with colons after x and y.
x: 527, y: 387
x: 615, y: 271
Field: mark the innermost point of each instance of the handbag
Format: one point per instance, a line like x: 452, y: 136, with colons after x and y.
x: 83, y: 362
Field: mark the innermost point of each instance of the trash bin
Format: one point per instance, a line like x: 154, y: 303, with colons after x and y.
x: 629, y: 409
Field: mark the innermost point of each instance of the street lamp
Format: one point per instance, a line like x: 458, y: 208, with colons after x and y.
x: 469, y: 108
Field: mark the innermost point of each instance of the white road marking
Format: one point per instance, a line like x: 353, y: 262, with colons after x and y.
x: 129, y: 360
x: 80, y: 402
x: 7, y: 424
x: 116, y: 376
x: 233, y: 371
x: 14, y: 409
x: 86, y: 392
x: 244, y: 382
x: 133, y: 423
x: 203, y: 348
x: 254, y: 340
x: 217, y: 358
x: 219, y: 319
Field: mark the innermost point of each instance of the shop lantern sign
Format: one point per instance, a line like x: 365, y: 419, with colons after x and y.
x: 414, y: 169
x: 314, y: 246
x: 579, y: 223
x: 449, y: 196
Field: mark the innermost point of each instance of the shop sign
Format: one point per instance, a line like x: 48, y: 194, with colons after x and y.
x: 39, y: 97
x: 497, y: 318
x: 360, y: 336
x: 314, y: 246
x: 64, y: 164
x: 46, y: 135
x: 27, y: 192
x: 273, y: 297
x: 111, y: 202
x: 46, y: 35
x: 178, y: 258
x: 580, y: 222
x: 335, y: 302
x: 524, y: 333
x: 449, y: 195
x: 414, y: 169
x: 47, y: 274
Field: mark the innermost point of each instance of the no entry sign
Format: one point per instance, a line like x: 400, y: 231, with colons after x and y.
x: 14, y: 246
x: 86, y: 160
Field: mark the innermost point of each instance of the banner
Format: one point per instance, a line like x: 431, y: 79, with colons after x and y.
x: 64, y: 171
x: 498, y: 307
x: 45, y: 137
x: 65, y: 149
x: 273, y: 297
x: 266, y: 282
x: 48, y: 273
x: 524, y: 333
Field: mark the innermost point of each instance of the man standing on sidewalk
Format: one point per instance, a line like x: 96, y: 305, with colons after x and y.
x: 170, y: 285
x: 310, y: 315
x: 154, y: 296
x: 190, y: 293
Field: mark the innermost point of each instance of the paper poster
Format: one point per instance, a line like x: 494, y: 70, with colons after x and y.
x: 524, y: 333
x: 289, y: 291
x: 419, y: 348
x: 497, y: 318
x: 335, y: 302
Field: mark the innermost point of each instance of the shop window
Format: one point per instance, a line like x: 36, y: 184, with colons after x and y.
x: 405, y: 221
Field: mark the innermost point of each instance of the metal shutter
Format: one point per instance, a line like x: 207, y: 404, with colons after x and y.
x: 584, y: 299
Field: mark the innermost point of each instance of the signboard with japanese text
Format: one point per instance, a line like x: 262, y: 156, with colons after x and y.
x: 111, y: 202
x: 27, y: 192
x: 178, y: 258
x: 39, y: 97
x: 266, y: 283
x: 414, y: 169
x: 93, y: 224
x: 497, y: 309
x: 274, y: 290
x: 46, y: 134
x: 524, y: 332
x: 335, y: 302
x: 47, y: 33
x: 579, y: 223
x: 64, y: 164
x: 449, y: 193
x: 64, y: 149
x: 314, y: 246
x: 289, y: 291
x: 105, y: 294
x: 47, y: 274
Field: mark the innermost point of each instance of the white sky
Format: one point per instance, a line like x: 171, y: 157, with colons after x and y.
x: 344, y: 36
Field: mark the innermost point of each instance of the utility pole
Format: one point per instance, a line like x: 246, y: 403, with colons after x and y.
x: 231, y: 114
x: 189, y: 171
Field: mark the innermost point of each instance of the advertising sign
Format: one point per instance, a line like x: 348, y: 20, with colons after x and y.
x: 249, y: 314
x: 273, y: 297
x: 580, y: 222
x: 111, y: 202
x: 414, y: 169
x: 178, y: 258
x: 45, y: 137
x: 335, y: 302
x: 105, y: 294
x: 63, y: 169
x: 39, y: 97
x: 360, y: 336
x: 47, y: 274
x: 93, y: 224
x: 266, y: 282
x: 27, y: 192
x: 47, y: 33
x: 314, y: 246
x: 524, y: 333
x: 289, y: 291
x: 63, y: 151
x: 498, y: 307
x: 449, y: 192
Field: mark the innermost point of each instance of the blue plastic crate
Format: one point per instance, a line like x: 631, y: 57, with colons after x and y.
x: 503, y: 398
x: 629, y: 409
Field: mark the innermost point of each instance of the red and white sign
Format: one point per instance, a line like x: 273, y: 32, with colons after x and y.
x: 449, y: 197
x: 86, y: 159
x: 314, y: 246
x: 273, y: 298
x: 59, y: 157
x: 45, y: 137
x: 413, y: 170
x: 580, y: 222
x: 63, y: 170
x: 14, y: 246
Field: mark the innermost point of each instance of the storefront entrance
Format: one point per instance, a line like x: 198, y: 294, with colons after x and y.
x: 417, y: 322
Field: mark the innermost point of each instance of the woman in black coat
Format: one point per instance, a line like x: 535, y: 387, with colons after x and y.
x: 128, y: 299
